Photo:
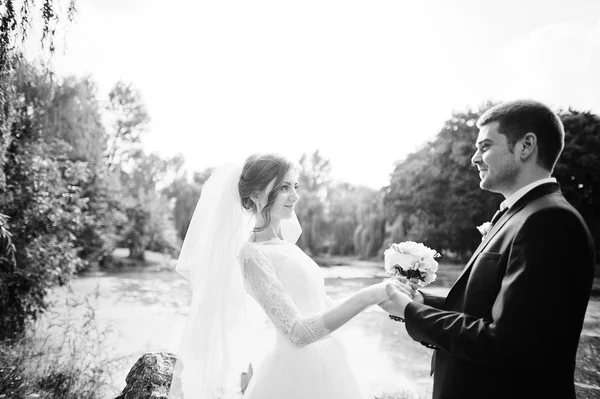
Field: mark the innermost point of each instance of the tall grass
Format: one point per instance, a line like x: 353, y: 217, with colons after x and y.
x: 65, y: 354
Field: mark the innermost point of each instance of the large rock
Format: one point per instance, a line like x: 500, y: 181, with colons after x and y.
x: 150, y: 377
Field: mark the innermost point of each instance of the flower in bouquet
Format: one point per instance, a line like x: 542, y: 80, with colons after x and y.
x: 412, y: 260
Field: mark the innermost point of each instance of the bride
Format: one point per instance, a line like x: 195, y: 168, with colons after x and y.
x: 242, y: 240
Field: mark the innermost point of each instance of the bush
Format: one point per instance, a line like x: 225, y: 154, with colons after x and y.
x: 60, y: 356
x: 42, y: 200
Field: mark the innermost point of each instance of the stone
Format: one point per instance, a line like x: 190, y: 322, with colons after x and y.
x: 150, y: 377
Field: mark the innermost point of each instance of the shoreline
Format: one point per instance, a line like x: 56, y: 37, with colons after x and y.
x: 448, y: 271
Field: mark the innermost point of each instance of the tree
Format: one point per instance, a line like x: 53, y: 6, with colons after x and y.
x: 578, y: 166
x: 43, y: 204
x: 129, y: 119
x: 15, y: 25
x: 314, y: 182
x: 316, y: 172
x: 369, y: 235
x: 75, y: 117
x: 435, y: 193
x: 347, y: 204
x: 105, y: 218
x: 150, y: 223
x: 185, y: 195
x: 435, y: 190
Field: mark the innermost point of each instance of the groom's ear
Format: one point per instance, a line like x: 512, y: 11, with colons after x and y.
x: 527, y: 146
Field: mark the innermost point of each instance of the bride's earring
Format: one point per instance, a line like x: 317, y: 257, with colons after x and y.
x: 256, y: 202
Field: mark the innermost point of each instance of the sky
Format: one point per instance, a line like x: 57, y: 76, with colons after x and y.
x: 365, y: 82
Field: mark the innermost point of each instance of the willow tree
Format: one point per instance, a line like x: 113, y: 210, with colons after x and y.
x: 16, y: 20
x: 18, y: 120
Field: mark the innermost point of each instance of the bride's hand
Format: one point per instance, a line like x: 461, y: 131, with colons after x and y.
x: 378, y: 292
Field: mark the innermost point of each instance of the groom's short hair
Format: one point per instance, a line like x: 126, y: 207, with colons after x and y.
x: 519, y: 117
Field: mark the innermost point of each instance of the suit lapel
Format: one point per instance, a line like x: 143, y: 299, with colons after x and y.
x: 532, y: 195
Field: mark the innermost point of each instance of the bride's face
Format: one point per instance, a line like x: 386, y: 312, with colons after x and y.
x: 286, y: 196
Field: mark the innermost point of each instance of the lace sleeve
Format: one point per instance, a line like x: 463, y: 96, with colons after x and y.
x: 264, y: 285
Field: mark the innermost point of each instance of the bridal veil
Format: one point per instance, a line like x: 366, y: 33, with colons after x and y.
x: 212, y: 352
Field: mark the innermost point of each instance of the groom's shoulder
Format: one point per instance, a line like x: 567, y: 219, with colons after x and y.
x: 552, y: 206
x: 554, y: 201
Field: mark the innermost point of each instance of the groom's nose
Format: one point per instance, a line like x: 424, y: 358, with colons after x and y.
x: 476, y: 158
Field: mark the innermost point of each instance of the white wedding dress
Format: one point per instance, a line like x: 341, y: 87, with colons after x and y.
x: 306, y: 362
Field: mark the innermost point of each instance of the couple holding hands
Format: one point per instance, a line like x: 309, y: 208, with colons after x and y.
x: 508, y: 328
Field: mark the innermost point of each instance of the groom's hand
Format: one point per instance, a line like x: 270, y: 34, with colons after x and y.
x: 398, y: 299
x: 412, y: 286
x: 412, y: 283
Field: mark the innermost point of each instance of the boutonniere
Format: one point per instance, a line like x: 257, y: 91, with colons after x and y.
x: 484, y: 229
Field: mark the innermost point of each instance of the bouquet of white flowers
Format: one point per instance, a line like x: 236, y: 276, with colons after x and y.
x: 412, y: 260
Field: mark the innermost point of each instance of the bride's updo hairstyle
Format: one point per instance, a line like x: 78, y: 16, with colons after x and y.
x: 259, y: 170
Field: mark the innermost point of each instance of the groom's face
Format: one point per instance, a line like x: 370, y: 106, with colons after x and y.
x: 495, y: 160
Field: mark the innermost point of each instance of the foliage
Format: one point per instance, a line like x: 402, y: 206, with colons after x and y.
x: 150, y: 221
x: 70, y: 189
x: 44, y: 203
x: 7, y: 248
x: 435, y: 190
x: 337, y: 218
x: 129, y: 119
x: 104, y: 219
x: 314, y: 181
x: 316, y: 172
x: 60, y: 356
x: 348, y: 209
x: 63, y: 209
x: 15, y: 24
x: 74, y: 117
x: 370, y: 233
x: 434, y: 195
x: 311, y: 214
x: 23, y: 230
x: 185, y: 195
x: 578, y: 166
x: 163, y: 236
x: 7, y: 114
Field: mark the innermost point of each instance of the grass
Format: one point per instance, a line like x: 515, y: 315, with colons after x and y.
x: 60, y: 356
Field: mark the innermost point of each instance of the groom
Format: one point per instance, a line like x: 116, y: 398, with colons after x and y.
x: 510, y: 325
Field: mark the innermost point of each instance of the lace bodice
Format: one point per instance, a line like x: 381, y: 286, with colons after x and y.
x: 288, y: 285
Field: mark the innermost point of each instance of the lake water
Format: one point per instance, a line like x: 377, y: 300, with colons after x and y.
x: 146, y: 309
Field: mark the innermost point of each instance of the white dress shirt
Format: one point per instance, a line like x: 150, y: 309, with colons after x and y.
x: 517, y: 195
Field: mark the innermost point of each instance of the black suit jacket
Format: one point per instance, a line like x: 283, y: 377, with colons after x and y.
x: 510, y: 325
